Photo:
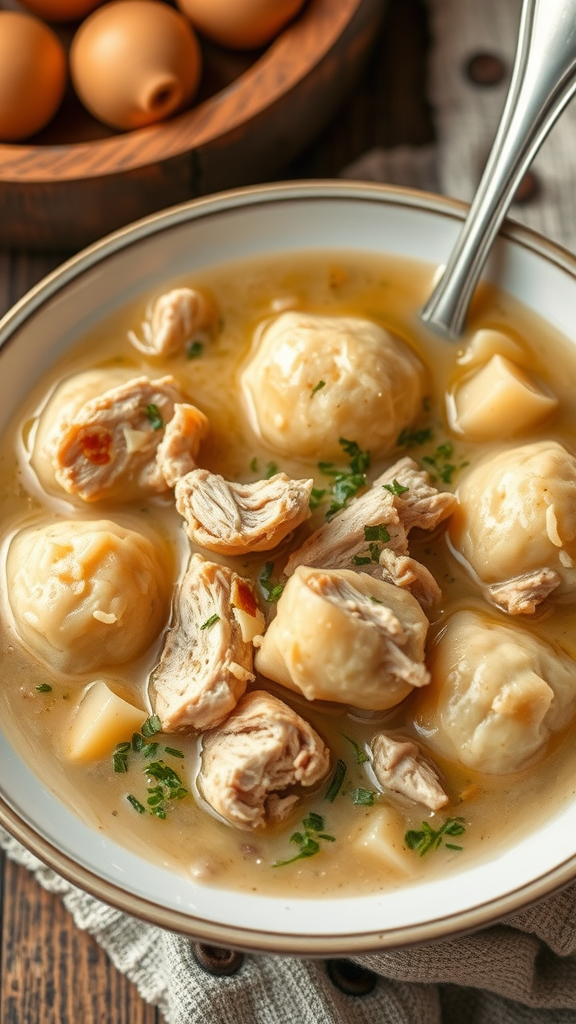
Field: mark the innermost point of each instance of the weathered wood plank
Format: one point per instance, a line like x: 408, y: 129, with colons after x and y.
x: 52, y: 973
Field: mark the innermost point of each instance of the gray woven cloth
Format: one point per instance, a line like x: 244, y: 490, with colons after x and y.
x: 522, y: 971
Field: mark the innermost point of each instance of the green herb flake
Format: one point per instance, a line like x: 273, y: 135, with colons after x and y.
x: 271, y: 590
x: 347, y: 482
x: 210, y: 622
x: 363, y: 797
x: 308, y: 840
x: 379, y: 533
x: 158, y: 812
x: 360, y: 755
x: 120, y: 761
x: 337, y: 780
x: 318, y: 387
x: 316, y: 497
x: 194, y: 350
x: 426, y: 838
x: 137, y: 742
x: 174, y: 752
x: 154, y: 417
x: 359, y: 460
x: 414, y: 438
x: 375, y: 600
x: 43, y: 688
x: 151, y: 726
x: 136, y: 804
x: 163, y: 773
x: 361, y: 559
x: 271, y: 470
x: 150, y: 749
x: 254, y: 465
x: 395, y: 488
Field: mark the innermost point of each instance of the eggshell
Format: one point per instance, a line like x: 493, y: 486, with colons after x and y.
x: 240, y: 24
x: 61, y: 10
x: 134, y: 62
x: 32, y: 75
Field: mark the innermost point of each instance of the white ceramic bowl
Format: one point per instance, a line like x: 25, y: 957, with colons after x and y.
x: 46, y: 322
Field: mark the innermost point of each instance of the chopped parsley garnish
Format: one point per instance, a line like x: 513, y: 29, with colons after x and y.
x: 136, y: 804
x: 375, y: 600
x: 377, y: 535
x: 210, y: 622
x: 316, y: 497
x: 154, y: 417
x: 308, y: 840
x: 337, y: 780
x: 174, y: 752
x: 363, y: 797
x: 43, y: 688
x: 441, y: 464
x: 395, y: 488
x: 168, y: 787
x: 426, y: 838
x: 272, y: 591
x: 120, y: 757
x: 360, y: 755
x: 413, y: 438
x: 151, y: 726
x: 347, y: 482
x: 317, y: 387
x: 271, y: 470
x: 194, y: 350
x: 254, y: 465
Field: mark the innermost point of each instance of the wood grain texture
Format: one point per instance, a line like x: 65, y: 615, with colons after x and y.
x: 62, y: 194
x: 51, y: 973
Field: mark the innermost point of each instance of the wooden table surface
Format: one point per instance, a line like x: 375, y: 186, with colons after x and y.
x: 51, y: 972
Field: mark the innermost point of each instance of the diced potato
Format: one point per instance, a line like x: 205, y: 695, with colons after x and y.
x: 498, y: 401
x: 487, y: 343
x: 381, y: 838
x: 103, y: 719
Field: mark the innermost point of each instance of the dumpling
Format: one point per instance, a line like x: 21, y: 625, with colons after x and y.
x: 516, y: 523
x: 344, y: 636
x: 497, y: 691
x: 86, y: 595
x: 313, y: 379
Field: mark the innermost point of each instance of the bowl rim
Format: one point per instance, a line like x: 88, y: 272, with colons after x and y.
x: 232, y: 936
x: 313, y: 32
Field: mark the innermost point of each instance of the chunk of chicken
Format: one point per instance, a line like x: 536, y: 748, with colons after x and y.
x: 233, y: 519
x: 523, y: 594
x: 206, y: 662
x: 180, y: 445
x: 341, y: 542
x: 175, y: 318
x: 261, y: 750
x: 109, y: 447
x: 400, y: 767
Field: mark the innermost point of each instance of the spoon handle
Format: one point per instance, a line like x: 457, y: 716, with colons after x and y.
x: 543, y: 81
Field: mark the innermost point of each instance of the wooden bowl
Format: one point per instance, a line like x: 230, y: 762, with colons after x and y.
x: 78, y: 180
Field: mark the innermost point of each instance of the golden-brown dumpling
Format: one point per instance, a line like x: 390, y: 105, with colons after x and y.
x: 86, y: 595
x: 517, y: 516
x: 344, y: 636
x: 313, y: 379
x: 498, y: 692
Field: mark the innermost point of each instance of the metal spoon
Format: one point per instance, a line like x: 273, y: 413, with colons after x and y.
x: 543, y: 81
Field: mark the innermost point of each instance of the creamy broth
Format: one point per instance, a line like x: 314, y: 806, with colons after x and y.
x: 495, y: 810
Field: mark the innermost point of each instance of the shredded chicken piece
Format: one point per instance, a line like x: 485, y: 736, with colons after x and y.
x: 403, y: 571
x: 176, y: 317
x: 523, y: 594
x: 337, y: 543
x: 261, y: 749
x: 233, y: 519
x: 400, y: 767
x: 180, y: 445
x: 109, y: 448
x: 205, y: 664
x: 397, y: 661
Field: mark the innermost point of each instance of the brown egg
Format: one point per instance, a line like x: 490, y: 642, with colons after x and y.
x: 32, y: 75
x: 240, y: 24
x: 134, y: 62
x: 61, y: 10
